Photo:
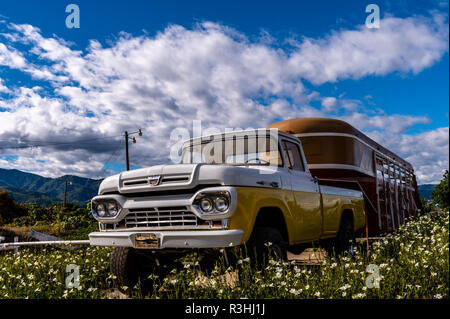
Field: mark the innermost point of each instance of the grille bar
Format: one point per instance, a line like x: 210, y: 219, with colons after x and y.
x: 162, y: 217
x: 175, y: 179
x: 166, y: 180
x: 137, y: 182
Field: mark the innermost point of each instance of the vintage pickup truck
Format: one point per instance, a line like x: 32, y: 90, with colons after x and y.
x: 237, y: 189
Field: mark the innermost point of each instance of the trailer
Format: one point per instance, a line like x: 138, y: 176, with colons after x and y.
x: 340, y: 155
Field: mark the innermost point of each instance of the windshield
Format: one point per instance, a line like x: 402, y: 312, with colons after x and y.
x: 245, y: 150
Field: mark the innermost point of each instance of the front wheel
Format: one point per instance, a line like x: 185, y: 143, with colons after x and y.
x: 129, y: 266
x: 125, y: 267
x: 266, y: 243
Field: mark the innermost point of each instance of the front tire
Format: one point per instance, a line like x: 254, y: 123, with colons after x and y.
x: 124, y: 266
x: 130, y: 266
x: 266, y: 243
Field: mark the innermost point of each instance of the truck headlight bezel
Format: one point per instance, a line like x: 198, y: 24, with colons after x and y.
x: 222, y: 199
x: 105, y: 208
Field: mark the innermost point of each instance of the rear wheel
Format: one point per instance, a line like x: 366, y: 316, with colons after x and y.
x: 344, y: 241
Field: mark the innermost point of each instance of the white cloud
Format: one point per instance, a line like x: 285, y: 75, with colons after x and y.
x: 210, y: 73
x: 3, y: 88
x: 10, y: 57
x: 394, y: 123
x: 329, y: 103
x: 427, y: 151
x: 404, y: 45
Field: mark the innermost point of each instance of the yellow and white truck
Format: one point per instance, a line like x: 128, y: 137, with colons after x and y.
x: 234, y: 189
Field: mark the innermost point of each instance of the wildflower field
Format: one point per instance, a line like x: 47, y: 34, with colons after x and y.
x: 411, y: 263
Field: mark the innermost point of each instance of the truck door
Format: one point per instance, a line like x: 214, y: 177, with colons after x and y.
x: 306, y: 193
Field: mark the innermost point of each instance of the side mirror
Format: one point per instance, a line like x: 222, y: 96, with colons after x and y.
x: 315, y: 179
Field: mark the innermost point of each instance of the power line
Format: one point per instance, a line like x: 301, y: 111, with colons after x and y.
x: 44, y: 144
x: 28, y: 141
x: 113, y: 155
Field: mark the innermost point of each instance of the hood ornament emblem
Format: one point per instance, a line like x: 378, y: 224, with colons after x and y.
x: 154, y: 180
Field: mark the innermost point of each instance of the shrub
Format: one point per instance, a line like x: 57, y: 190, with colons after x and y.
x: 427, y: 205
x: 9, y: 209
x: 440, y: 194
x: 70, y: 217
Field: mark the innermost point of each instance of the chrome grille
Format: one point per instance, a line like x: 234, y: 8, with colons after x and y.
x: 175, y: 179
x: 162, y: 217
x: 167, y: 179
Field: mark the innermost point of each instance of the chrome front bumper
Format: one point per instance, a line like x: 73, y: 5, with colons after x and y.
x: 170, y: 239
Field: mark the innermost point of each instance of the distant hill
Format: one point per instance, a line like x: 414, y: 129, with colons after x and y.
x: 24, y: 196
x: 425, y: 190
x: 33, y: 188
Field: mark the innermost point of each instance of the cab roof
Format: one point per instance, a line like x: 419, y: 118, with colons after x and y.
x: 242, y: 133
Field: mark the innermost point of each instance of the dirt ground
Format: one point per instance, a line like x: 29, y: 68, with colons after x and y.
x: 309, y: 257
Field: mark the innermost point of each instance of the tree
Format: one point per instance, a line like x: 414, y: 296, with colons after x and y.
x: 427, y: 205
x: 440, y: 193
x: 9, y: 209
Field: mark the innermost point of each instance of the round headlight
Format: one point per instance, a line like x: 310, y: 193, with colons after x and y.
x: 206, y: 205
x: 221, y: 204
x: 101, y: 211
x: 112, y: 208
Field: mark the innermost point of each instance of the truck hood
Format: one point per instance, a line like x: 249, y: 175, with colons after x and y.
x: 187, y: 176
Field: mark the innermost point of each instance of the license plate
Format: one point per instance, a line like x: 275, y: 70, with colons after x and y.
x: 147, y: 241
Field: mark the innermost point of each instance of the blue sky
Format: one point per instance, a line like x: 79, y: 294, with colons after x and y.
x: 403, y: 86
x: 422, y: 94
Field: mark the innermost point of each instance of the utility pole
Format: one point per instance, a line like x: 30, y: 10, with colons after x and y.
x: 127, y: 159
x: 127, y: 137
x: 65, y: 193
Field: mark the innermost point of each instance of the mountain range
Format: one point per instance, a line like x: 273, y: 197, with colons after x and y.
x: 425, y: 190
x: 32, y: 188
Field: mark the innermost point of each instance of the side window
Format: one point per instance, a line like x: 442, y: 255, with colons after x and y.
x: 292, y: 154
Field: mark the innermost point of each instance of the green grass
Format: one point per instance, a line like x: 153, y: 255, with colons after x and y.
x: 42, y: 273
x: 413, y: 263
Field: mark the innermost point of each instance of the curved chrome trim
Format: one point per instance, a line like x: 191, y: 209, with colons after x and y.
x: 214, y: 216
x: 106, y: 198
x: 331, y: 190
x: 341, y: 166
x: 354, y: 137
